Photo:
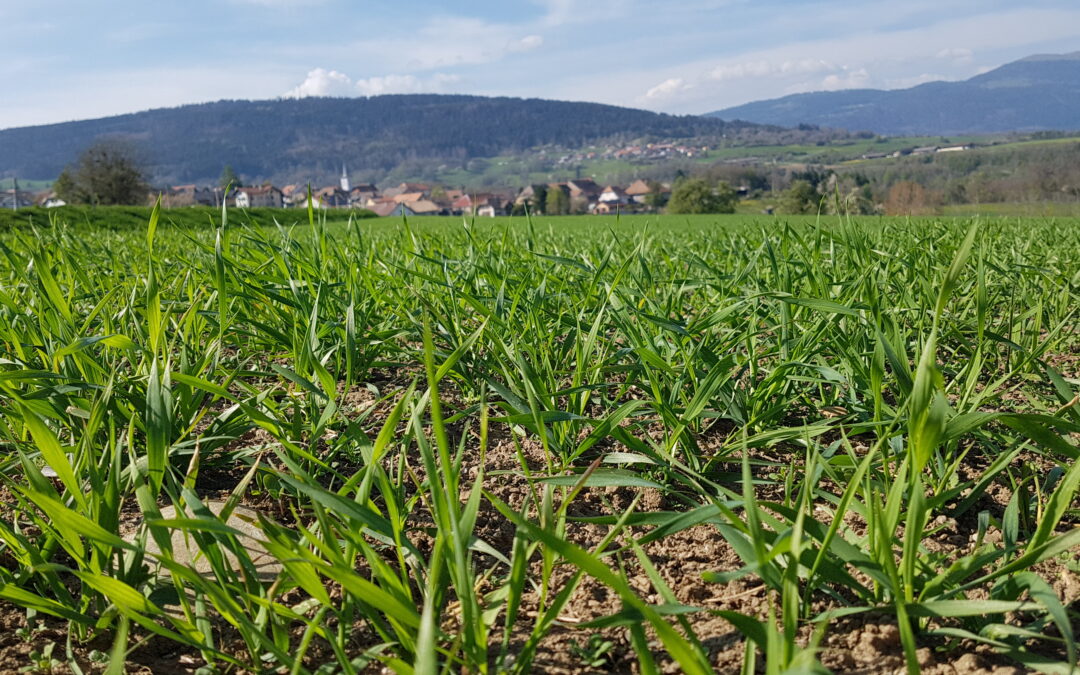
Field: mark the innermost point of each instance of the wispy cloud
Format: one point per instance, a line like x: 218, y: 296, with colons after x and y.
x: 848, y: 79
x: 837, y: 77
x: 525, y: 44
x: 458, y: 41
x: 666, y: 89
x: 765, y: 68
x: 958, y: 55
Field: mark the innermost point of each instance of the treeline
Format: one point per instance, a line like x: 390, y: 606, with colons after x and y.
x: 1038, y: 172
x: 917, y: 184
x: 137, y: 217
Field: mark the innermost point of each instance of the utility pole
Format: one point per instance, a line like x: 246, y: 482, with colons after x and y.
x: 15, y: 194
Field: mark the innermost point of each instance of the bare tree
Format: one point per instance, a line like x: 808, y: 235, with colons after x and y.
x: 907, y: 198
x: 108, y: 172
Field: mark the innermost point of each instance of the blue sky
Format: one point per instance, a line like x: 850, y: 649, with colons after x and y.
x: 65, y: 59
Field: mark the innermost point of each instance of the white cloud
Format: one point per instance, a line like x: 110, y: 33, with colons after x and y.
x: 666, y: 89
x: 405, y: 84
x: 322, y: 82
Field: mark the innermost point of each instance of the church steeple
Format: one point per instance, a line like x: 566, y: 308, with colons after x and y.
x: 344, y: 178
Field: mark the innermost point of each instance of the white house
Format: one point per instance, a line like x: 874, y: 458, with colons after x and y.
x: 613, y: 195
x: 267, y: 195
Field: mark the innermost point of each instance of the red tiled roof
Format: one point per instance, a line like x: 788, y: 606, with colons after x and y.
x: 384, y: 208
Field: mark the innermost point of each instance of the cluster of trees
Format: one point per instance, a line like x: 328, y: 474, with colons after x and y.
x: 108, y: 172
x: 697, y: 195
x: 920, y: 185
x: 1019, y: 173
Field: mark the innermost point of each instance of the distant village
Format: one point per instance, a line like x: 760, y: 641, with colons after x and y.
x: 643, y: 151
x: 423, y: 199
x: 420, y: 199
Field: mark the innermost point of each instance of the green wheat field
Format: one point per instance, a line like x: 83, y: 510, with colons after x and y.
x: 648, y: 444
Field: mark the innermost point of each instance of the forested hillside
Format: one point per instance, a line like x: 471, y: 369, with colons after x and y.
x: 289, y: 140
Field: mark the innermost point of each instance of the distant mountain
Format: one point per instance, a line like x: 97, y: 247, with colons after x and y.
x: 295, y: 140
x: 1036, y: 93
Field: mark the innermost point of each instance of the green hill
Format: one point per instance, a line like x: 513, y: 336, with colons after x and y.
x: 309, y: 139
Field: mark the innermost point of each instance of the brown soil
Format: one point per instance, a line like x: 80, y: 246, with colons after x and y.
x: 862, y: 643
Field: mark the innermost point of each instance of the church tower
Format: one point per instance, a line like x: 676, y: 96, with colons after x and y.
x: 344, y: 179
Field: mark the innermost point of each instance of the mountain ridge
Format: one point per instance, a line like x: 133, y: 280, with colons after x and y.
x: 1036, y: 93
